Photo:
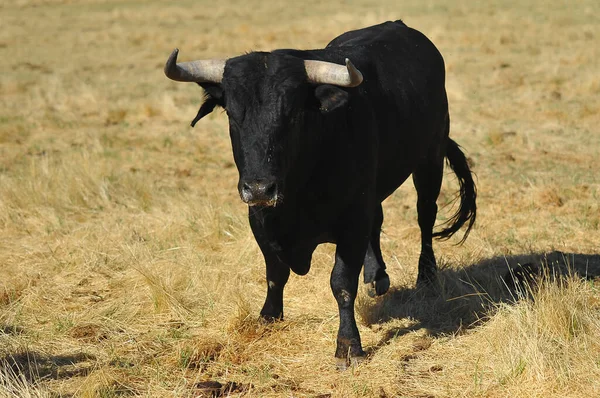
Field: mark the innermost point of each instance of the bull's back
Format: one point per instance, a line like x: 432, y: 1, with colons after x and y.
x: 404, y: 80
x: 369, y: 35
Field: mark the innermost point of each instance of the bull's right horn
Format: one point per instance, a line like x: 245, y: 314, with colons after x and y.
x: 202, y: 71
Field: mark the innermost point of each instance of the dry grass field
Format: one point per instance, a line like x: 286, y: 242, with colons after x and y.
x: 127, y: 267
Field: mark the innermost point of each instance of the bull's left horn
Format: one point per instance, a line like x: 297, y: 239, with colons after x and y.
x: 209, y: 70
x: 321, y: 72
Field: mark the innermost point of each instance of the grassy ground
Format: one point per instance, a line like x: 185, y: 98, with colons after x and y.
x: 126, y: 264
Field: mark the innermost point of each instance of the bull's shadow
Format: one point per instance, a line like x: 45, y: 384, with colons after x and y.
x: 462, y: 298
x: 34, y: 366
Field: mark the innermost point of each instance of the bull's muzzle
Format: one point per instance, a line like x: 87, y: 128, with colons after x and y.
x: 261, y: 192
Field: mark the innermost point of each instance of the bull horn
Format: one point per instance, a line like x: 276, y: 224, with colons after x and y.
x: 210, y: 70
x: 321, y: 72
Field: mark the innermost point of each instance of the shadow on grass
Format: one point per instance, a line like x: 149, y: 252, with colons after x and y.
x: 35, y: 366
x: 462, y: 298
x: 11, y: 330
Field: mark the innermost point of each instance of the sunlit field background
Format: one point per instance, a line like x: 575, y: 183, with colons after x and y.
x: 127, y: 267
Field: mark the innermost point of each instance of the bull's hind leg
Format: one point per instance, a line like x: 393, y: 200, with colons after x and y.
x: 428, y: 180
x: 374, y: 272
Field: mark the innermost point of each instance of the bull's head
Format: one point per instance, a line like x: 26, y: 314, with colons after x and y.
x: 267, y: 97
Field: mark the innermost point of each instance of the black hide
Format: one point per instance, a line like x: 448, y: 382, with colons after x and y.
x: 316, y: 161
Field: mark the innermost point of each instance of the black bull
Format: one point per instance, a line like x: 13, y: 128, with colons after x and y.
x: 318, y: 147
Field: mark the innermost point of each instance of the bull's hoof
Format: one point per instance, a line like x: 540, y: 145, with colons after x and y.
x: 379, y: 287
x: 348, y: 353
x: 427, y: 277
x: 352, y: 362
x: 268, y: 318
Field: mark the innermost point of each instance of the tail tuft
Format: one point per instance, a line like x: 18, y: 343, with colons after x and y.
x: 467, y: 210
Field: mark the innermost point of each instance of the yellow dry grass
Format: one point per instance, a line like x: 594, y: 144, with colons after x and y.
x: 126, y: 264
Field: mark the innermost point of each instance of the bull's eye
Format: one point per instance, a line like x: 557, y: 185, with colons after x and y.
x: 269, y: 155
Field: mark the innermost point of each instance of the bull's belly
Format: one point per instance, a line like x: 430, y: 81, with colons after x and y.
x: 388, y: 182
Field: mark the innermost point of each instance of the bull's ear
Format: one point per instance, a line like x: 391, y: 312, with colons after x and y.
x: 213, y: 90
x: 330, y: 98
x: 214, y: 97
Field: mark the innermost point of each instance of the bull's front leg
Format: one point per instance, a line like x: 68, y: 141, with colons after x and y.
x: 344, y: 285
x: 278, y: 272
x: 277, y: 276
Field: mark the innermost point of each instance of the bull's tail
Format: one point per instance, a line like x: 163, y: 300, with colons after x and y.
x: 468, y: 194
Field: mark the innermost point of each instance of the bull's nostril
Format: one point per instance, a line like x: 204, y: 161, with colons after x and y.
x: 271, y: 190
x: 246, y: 192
